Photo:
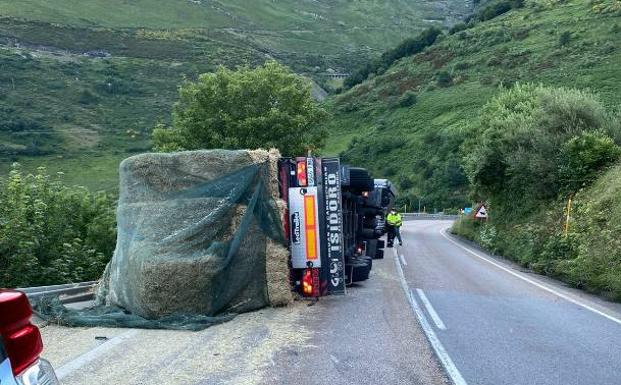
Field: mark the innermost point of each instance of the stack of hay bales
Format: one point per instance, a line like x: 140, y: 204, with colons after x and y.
x: 199, y: 233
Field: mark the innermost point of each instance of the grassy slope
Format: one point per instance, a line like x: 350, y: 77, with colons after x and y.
x: 419, y: 145
x: 336, y: 21
x: 75, y: 107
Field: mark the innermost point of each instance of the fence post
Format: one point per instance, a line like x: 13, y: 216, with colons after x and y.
x: 568, y: 217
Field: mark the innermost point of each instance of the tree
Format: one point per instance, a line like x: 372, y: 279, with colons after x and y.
x: 265, y: 107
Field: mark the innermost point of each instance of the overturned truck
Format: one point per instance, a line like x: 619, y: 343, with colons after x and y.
x: 203, y: 235
x: 335, y: 219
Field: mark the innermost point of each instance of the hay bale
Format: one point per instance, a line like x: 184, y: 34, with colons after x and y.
x: 278, y: 280
x: 192, y: 235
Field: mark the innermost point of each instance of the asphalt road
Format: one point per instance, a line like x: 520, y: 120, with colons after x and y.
x: 368, y: 336
x: 493, y: 324
x: 435, y: 311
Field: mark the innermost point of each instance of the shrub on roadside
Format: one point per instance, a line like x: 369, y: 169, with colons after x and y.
x: 583, y: 156
x: 509, y: 161
x: 536, y: 147
x: 51, y: 233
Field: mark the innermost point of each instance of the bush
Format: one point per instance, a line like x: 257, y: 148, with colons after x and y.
x: 583, y: 156
x: 509, y: 162
x: 444, y: 79
x: 487, y: 236
x: 405, y: 182
x: 408, y: 99
x: 606, y: 6
x: 389, y: 171
x: 511, y: 166
x: 21, y: 125
x: 494, y: 10
x: 50, y: 233
x: 462, y: 65
x: 87, y: 97
x: 458, y: 28
x: 564, y: 39
x: 119, y: 86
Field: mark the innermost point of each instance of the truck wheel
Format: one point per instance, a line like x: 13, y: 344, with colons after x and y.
x: 361, y: 273
x: 379, y: 254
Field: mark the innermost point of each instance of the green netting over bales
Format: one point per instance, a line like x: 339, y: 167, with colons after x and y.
x: 196, y: 232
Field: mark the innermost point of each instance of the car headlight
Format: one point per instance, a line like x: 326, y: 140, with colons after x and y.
x: 41, y: 373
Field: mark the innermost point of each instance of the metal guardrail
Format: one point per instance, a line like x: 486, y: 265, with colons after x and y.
x: 68, y: 293
x: 414, y: 216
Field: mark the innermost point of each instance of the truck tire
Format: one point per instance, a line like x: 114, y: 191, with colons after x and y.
x: 379, y: 254
x: 360, y: 267
x: 360, y: 273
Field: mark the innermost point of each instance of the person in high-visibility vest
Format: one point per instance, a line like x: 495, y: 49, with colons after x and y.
x: 394, y: 222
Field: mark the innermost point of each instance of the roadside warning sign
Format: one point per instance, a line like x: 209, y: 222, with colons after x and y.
x: 481, y: 213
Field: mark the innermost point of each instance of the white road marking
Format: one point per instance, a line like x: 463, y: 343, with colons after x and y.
x: 441, y: 353
x: 432, y: 312
x: 533, y: 282
x: 93, y: 354
x: 403, y: 260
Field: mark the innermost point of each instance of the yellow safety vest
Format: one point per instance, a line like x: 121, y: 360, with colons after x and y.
x: 394, y: 220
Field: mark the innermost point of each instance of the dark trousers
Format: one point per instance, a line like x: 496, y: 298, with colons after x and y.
x: 393, y: 232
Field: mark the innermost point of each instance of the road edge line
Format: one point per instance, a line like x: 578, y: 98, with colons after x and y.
x: 441, y: 353
x: 531, y: 281
x: 402, y: 258
x: 83, y: 359
x: 430, y: 309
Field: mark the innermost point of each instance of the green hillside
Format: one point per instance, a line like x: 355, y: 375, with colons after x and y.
x: 520, y: 112
x: 85, y: 82
x: 574, y: 44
